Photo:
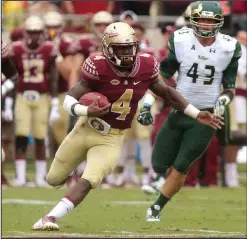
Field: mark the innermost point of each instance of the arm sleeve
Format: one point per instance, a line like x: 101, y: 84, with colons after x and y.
x: 170, y: 64
x: 90, y: 73
x: 230, y: 73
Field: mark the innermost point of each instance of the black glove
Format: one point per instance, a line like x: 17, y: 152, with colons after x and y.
x: 145, y: 117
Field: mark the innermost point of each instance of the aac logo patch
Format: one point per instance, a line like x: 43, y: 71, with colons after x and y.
x: 115, y: 82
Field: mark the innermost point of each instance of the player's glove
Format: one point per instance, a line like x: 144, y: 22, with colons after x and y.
x: 54, y: 114
x: 220, y: 105
x: 145, y: 117
x: 8, y: 109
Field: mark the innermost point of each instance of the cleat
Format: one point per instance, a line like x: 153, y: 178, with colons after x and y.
x: 154, y: 187
x: 46, y: 224
x: 153, y: 215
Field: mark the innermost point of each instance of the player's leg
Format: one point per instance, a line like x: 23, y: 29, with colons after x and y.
x: 144, y: 139
x: 126, y: 162
x: 102, y: 156
x: 22, y: 131
x: 8, y: 145
x: 40, y: 114
x: 195, y: 140
x: 60, y: 127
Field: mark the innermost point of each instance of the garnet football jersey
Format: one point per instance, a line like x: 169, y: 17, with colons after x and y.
x: 33, y: 65
x: 65, y: 48
x: 123, y: 92
x: 87, y: 46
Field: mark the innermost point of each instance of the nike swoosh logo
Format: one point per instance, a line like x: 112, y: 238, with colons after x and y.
x: 135, y: 83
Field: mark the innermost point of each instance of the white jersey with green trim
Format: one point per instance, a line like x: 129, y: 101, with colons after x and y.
x: 201, y: 68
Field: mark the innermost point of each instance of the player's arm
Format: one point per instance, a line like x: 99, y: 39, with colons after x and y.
x: 86, y: 84
x: 177, y: 101
x: 229, y: 79
x: 10, y: 72
x: 53, y: 80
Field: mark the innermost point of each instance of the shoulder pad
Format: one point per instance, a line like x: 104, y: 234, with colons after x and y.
x: 182, y: 34
x: 227, y: 42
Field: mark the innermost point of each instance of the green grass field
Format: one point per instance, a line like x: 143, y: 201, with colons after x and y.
x: 206, y: 212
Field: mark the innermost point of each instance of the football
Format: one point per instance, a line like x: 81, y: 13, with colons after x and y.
x: 90, y: 97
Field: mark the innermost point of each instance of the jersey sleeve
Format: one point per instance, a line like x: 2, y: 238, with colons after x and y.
x: 89, y: 70
x: 170, y: 64
x: 4, y: 51
x: 230, y: 73
x: 155, y: 70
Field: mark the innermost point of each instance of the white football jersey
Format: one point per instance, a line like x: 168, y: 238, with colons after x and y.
x: 201, y: 68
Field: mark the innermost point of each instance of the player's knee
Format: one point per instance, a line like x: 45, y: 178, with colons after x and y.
x: 21, y: 144
x: 182, y: 167
x: 159, y: 169
x: 52, y: 180
x: 95, y: 180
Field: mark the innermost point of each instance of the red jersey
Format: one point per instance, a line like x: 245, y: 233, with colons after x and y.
x: 123, y: 92
x: 4, y: 51
x: 17, y: 34
x: 87, y: 46
x: 159, y: 53
x: 8, y: 68
x: 33, y: 65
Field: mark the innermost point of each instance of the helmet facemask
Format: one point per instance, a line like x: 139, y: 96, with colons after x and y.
x: 206, y: 30
x: 34, y: 38
x: 121, y: 55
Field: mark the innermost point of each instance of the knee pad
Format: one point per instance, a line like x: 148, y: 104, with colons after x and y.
x: 39, y: 141
x: 21, y: 144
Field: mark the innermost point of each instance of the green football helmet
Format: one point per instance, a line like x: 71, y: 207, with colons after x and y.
x: 206, y: 10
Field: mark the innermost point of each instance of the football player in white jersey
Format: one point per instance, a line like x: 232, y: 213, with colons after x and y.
x: 205, y: 60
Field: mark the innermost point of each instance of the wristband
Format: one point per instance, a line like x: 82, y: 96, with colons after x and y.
x: 148, y: 100
x: 191, y: 111
x: 79, y: 110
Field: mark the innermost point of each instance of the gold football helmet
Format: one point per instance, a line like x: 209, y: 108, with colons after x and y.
x: 34, y: 31
x: 99, y: 23
x: 120, y: 44
x: 53, y: 23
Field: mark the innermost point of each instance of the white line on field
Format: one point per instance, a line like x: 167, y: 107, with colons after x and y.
x: 26, y: 201
x: 43, y: 234
x: 177, y: 206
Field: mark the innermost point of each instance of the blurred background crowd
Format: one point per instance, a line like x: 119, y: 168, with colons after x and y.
x: 77, y: 29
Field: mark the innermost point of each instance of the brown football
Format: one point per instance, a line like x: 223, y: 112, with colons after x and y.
x: 90, y: 97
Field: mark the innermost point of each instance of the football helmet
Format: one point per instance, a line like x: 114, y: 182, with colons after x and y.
x: 120, y: 44
x: 53, y: 23
x: 206, y: 10
x: 99, y: 23
x: 34, y: 31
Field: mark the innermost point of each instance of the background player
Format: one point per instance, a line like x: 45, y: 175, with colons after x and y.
x: 35, y: 62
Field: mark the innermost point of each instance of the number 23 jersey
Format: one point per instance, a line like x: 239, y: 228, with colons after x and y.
x: 201, y: 69
x: 123, y: 92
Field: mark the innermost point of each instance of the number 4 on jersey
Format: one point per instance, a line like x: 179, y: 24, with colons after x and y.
x: 122, y: 105
x: 193, y: 73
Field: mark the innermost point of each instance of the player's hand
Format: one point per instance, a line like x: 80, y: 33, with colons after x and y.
x: 54, y: 115
x: 95, y: 111
x: 8, y: 114
x: 212, y: 120
x: 220, y: 105
x: 145, y: 117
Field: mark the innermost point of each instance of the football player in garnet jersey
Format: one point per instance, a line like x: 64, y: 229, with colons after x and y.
x: 9, y: 81
x: 53, y: 30
x: 35, y: 62
x: 123, y: 76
